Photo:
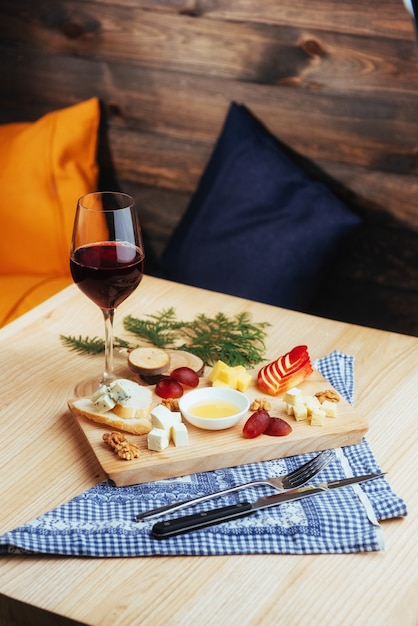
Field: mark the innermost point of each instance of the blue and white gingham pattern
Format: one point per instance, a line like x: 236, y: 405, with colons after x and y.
x: 100, y: 522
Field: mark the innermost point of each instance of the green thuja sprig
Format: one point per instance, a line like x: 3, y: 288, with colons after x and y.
x: 89, y: 345
x: 161, y: 329
x: 234, y: 340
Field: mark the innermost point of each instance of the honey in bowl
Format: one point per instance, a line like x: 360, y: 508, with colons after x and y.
x: 214, y: 409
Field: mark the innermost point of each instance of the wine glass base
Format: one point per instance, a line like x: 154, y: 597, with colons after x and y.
x: 87, y: 387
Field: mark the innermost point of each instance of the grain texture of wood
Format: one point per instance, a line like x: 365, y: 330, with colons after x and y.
x: 47, y: 462
x: 337, y: 82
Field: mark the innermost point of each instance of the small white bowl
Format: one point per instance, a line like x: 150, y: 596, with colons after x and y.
x: 213, y: 396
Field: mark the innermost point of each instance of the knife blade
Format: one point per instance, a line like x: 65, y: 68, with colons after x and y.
x: 178, y: 525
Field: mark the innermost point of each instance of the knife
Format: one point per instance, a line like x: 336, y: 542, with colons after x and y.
x: 178, y: 525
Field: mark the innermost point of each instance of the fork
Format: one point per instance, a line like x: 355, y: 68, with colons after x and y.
x: 292, y: 480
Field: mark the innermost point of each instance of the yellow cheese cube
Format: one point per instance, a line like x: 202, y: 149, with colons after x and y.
x: 330, y: 408
x: 244, y: 381
x: 217, y: 368
x: 223, y: 375
x: 229, y: 376
x: 292, y: 395
x: 312, y: 404
x: 317, y: 417
x: 300, y: 412
x: 219, y: 383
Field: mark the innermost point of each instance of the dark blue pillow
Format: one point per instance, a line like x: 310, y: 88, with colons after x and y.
x: 257, y: 227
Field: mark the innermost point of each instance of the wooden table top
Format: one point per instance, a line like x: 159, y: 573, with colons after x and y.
x: 44, y: 462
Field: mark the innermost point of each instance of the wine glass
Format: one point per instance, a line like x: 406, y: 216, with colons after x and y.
x: 106, y: 262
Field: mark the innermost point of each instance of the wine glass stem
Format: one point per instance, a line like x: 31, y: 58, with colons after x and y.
x: 108, y: 375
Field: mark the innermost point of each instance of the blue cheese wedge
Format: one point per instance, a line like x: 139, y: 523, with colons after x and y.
x: 120, y: 390
x: 100, y: 391
x: 104, y: 402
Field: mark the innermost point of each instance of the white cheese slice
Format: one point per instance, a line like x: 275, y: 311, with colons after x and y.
x: 157, y: 439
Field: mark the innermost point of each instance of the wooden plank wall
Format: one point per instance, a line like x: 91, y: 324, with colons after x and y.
x: 337, y: 80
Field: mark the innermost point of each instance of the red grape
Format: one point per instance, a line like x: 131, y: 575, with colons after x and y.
x: 256, y: 424
x: 168, y: 388
x: 278, y: 427
x: 185, y: 376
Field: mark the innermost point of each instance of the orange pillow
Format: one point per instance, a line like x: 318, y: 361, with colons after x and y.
x: 45, y: 166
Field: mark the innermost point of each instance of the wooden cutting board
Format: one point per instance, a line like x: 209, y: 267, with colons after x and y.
x: 211, y: 450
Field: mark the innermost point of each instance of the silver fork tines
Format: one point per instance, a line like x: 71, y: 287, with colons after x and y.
x: 294, y: 479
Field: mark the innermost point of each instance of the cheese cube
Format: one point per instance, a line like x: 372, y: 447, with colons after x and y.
x: 312, y: 403
x: 99, y: 392
x: 229, y: 376
x: 218, y: 383
x: 317, y: 417
x: 292, y: 395
x: 165, y: 419
x: 180, y: 434
x: 104, y: 403
x: 330, y: 408
x: 300, y: 411
x: 119, y: 390
x: 160, y: 411
x: 176, y: 415
x: 217, y: 368
x: 165, y: 422
x: 289, y: 409
x: 157, y: 439
x: 243, y: 379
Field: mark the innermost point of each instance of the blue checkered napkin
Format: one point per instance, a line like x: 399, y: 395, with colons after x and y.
x: 338, y: 369
x: 100, y: 522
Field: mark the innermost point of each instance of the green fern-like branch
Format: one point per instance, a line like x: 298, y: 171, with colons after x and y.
x: 234, y: 340
x: 89, y: 345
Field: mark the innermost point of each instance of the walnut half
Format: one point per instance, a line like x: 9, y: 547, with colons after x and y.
x: 121, y: 446
x: 260, y: 404
x: 172, y: 404
x: 328, y: 394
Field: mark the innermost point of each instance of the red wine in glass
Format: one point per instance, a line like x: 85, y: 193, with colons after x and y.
x: 106, y: 262
x: 107, y: 272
